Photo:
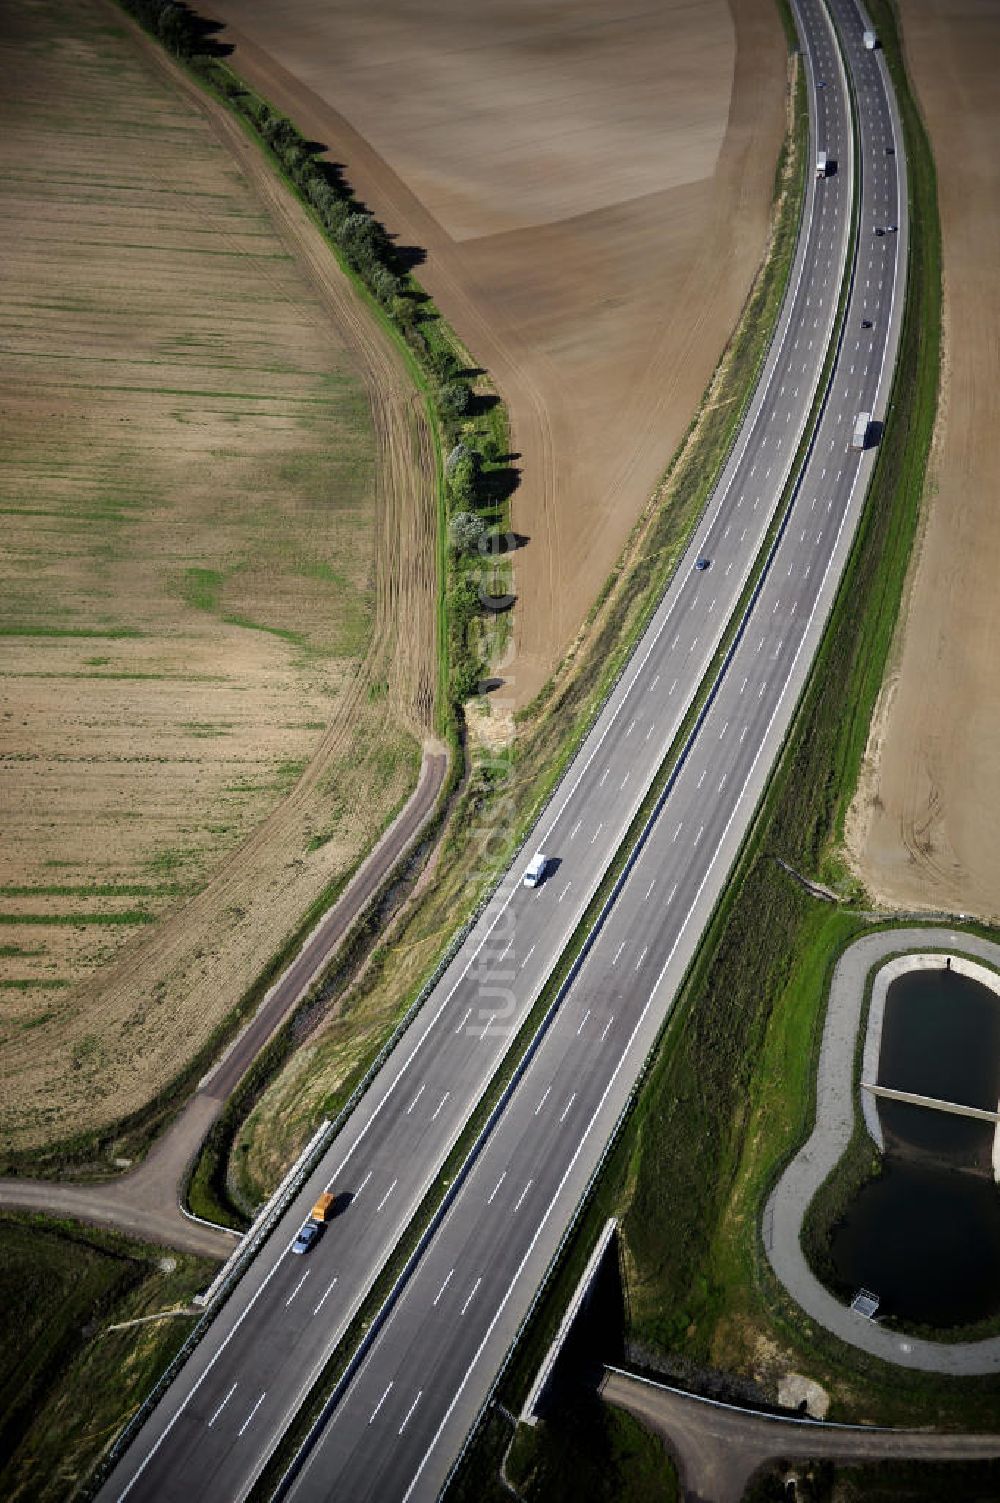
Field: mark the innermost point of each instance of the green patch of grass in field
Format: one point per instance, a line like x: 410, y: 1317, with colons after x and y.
x: 97, y: 890
x: 31, y: 984
x: 202, y: 588
x: 126, y: 916
x: 8, y: 630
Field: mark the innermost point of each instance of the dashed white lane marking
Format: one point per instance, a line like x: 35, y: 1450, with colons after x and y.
x: 409, y: 1411
x: 649, y: 889
x: 572, y: 833
x: 626, y: 777
x: 597, y: 832
x: 655, y: 682
x: 424, y: 1086
x: 673, y: 893
x: 388, y: 1192
x: 542, y: 1102
x: 643, y: 955
x: 381, y: 1401
x: 565, y: 1111
x: 569, y: 884
x: 677, y: 831
x: 246, y: 1423
x: 606, y: 1027
x: 471, y: 1295
x: 490, y: 1196
x: 743, y: 733
x: 582, y: 1021
x: 618, y: 953
x: 222, y: 1406
x: 440, y: 1104
x: 520, y: 1199
x: 524, y: 962
x: 632, y: 726
x: 325, y: 1295
x: 461, y: 1025
x: 368, y: 1175
x: 444, y: 1286
x: 724, y: 730
x: 700, y: 833
x: 295, y: 1291
x: 604, y: 776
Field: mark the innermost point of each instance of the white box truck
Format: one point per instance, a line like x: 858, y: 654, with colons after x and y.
x: 537, y: 868
x: 870, y: 40
x: 861, y: 425
x: 821, y: 163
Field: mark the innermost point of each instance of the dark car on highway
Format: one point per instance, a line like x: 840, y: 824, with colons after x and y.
x: 308, y: 1236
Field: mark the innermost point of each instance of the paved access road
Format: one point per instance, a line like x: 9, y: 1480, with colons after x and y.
x: 219, y: 1421
x: 719, y: 1447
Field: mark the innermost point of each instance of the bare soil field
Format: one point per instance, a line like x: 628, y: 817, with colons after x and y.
x: 924, y: 830
x: 591, y: 189
x: 219, y: 503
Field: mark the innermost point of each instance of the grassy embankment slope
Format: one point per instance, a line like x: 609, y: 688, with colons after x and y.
x: 189, y: 599
x: 730, y: 1093
x: 65, y: 1379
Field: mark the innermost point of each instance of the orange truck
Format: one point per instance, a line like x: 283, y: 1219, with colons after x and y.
x: 323, y: 1209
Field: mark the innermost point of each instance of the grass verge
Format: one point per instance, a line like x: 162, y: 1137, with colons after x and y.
x: 68, y: 1383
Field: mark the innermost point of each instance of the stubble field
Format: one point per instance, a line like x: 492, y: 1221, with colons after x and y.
x: 591, y: 188
x: 924, y: 830
x: 217, y: 496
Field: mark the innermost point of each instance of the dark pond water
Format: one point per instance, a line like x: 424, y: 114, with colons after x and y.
x: 925, y: 1236
x: 926, y: 1239
x: 941, y: 1037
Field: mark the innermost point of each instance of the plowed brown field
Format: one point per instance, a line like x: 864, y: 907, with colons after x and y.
x: 924, y: 830
x: 217, y: 569
x: 591, y: 186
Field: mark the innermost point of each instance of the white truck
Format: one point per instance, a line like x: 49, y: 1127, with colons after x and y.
x: 870, y: 40
x: 822, y: 162
x: 861, y: 425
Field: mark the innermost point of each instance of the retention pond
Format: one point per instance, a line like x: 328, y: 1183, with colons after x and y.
x: 925, y: 1235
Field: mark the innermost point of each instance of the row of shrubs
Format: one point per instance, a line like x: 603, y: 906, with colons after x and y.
x: 366, y: 247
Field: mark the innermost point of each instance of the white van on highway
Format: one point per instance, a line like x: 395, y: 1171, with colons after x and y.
x: 536, y: 870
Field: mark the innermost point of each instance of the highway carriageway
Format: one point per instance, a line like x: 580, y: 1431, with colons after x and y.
x: 221, y: 1418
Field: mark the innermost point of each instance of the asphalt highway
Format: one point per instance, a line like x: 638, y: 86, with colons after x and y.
x: 220, y: 1419
x: 402, y: 1421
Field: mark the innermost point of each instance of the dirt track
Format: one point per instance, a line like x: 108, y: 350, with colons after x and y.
x: 719, y: 1448
x: 593, y: 198
x: 925, y: 828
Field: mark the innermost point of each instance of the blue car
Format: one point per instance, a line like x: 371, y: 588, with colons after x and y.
x: 307, y: 1237
x: 701, y: 564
